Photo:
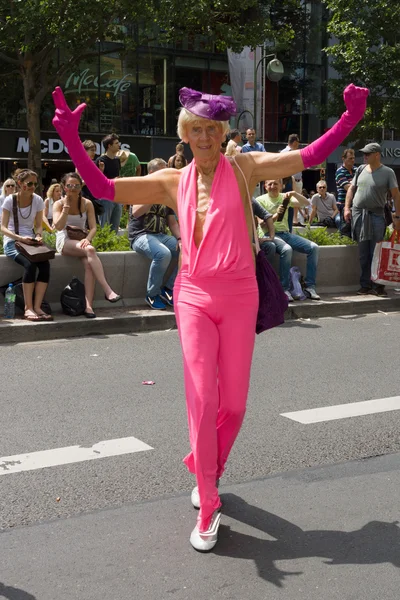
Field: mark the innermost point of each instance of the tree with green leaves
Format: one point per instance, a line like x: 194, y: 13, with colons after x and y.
x: 366, y: 50
x: 41, y: 40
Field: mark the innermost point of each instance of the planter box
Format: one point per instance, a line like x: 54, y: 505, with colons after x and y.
x: 127, y: 273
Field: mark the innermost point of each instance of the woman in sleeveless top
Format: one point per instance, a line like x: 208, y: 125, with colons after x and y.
x: 29, y: 212
x: 74, y: 210
x: 215, y: 293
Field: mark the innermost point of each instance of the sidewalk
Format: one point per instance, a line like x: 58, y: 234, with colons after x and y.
x: 141, y: 319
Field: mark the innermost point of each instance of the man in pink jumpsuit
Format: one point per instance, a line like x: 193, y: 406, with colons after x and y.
x: 216, y: 296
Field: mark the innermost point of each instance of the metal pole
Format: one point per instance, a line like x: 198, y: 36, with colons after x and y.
x: 256, y: 66
x: 255, y: 91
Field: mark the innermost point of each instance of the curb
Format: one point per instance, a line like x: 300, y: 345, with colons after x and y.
x: 134, y: 321
x: 343, y: 307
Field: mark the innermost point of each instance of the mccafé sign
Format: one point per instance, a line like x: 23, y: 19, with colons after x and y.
x: 53, y: 146
x: 87, y: 82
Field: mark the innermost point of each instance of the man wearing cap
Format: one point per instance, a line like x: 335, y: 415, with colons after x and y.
x: 365, y: 203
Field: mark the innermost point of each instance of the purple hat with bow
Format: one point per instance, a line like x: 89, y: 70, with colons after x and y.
x: 207, y: 106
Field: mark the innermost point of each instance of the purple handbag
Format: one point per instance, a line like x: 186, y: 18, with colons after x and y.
x: 273, y: 301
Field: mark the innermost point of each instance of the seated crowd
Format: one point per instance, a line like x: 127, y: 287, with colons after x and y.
x: 153, y: 230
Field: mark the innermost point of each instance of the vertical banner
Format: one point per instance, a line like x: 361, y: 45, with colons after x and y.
x: 242, y: 75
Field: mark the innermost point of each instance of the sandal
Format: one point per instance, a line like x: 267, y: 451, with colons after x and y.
x: 32, y: 317
x: 44, y: 316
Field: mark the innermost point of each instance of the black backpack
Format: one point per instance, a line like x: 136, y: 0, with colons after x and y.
x: 73, y: 302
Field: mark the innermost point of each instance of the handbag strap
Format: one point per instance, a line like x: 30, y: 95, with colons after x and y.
x: 15, y: 214
x: 257, y: 243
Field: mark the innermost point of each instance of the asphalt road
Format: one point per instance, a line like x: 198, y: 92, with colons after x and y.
x: 303, y: 516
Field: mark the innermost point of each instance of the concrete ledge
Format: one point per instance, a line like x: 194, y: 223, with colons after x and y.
x: 127, y: 273
x: 338, y: 268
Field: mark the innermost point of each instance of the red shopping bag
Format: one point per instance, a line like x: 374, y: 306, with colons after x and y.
x: 385, y: 268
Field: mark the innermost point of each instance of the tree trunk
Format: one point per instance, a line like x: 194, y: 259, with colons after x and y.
x: 33, y: 103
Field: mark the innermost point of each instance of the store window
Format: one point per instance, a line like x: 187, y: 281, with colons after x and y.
x: 151, y: 112
x: 106, y: 84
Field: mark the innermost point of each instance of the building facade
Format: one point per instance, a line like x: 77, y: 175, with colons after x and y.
x: 135, y: 94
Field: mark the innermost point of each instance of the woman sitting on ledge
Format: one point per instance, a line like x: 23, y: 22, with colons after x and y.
x: 74, y: 210
x: 28, y: 210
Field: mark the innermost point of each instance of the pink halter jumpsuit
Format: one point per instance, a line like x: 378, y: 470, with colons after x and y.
x: 216, y: 302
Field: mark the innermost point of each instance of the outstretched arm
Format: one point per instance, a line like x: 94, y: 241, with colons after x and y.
x: 284, y: 164
x: 158, y: 188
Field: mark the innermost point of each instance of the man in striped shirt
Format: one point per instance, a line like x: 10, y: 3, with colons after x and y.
x: 344, y: 176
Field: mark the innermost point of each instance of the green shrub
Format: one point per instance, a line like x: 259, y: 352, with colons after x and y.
x: 321, y: 237
x: 124, y: 218
x: 49, y: 239
x: 106, y: 240
x: 388, y: 233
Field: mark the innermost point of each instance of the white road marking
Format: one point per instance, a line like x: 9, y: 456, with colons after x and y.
x: 69, y: 455
x: 344, y: 411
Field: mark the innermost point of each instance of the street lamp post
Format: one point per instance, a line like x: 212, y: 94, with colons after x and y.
x: 275, y: 72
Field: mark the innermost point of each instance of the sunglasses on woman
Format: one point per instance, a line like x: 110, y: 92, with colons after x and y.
x: 30, y: 183
x: 73, y: 186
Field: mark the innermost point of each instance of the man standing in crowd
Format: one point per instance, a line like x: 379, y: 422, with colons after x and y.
x: 343, y: 177
x: 252, y: 145
x: 324, y: 205
x: 297, y: 178
x: 233, y: 147
x: 365, y: 206
x: 147, y: 236
x: 284, y: 241
x: 110, y: 165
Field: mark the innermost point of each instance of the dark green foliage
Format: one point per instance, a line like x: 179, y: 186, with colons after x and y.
x: 367, y: 53
x: 106, y: 240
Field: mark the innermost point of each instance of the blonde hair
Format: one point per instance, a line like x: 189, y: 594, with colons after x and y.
x: 51, y: 189
x: 7, y: 181
x: 187, y: 118
x: 232, y: 149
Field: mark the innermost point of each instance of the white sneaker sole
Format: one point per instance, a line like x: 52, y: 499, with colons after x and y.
x: 204, y: 541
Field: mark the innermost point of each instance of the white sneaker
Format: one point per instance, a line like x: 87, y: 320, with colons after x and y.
x: 289, y: 296
x: 195, y: 496
x: 204, y: 541
x: 311, y: 293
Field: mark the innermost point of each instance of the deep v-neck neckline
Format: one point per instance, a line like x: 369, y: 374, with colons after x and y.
x: 210, y: 206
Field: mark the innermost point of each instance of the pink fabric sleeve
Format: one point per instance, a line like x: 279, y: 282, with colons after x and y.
x: 356, y: 103
x: 66, y: 123
x: 99, y: 185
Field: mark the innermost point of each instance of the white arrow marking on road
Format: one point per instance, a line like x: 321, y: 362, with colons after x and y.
x: 69, y: 455
x: 344, y: 411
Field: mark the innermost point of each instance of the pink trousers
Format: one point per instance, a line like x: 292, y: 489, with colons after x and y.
x: 217, y: 332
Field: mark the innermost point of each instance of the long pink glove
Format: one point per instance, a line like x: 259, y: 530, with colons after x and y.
x: 66, y: 123
x: 355, y: 99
